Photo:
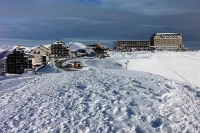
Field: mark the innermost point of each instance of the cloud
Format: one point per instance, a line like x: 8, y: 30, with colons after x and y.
x: 152, y: 7
x: 97, y: 20
x: 154, y: 26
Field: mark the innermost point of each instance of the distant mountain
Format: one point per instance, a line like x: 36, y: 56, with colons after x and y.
x: 76, y: 45
x: 6, y: 48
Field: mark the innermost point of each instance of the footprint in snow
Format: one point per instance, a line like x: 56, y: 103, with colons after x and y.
x: 156, y: 123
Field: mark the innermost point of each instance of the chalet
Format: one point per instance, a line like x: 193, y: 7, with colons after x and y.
x: 41, y: 56
x: 17, y: 61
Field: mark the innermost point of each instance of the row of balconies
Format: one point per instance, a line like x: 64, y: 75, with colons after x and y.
x: 133, y: 45
x: 166, y: 46
x: 62, y: 50
x: 60, y: 53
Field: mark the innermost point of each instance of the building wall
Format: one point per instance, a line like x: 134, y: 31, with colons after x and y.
x: 60, y: 50
x: 41, y: 55
x: 167, y: 41
x: 132, y: 45
x: 17, y: 62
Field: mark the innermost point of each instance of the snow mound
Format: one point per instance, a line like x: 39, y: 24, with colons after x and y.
x: 94, y: 63
x: 100, y: 101
x: 76, y: 45
x: 49, y: 69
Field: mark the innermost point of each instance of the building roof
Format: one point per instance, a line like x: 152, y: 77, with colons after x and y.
x: 58, y: 42
x: 44, y: 47
x: 167, y: 34
x: 132, y: 41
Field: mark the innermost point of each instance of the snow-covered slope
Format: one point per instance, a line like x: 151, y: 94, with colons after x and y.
x: 182, y: 66
x: 99, y: 101
x: 6, y: 48
x: 105, y: 97
x: 94, y: 63
x: 76, y: 45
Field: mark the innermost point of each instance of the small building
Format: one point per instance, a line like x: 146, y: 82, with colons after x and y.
x: 78, y: 53
x: 17, y: 62
x: 74, y: 64
x: 167, y: 41
x: 60, y: 50
x: 41, y: 56
x: 99, y: 50
x: 132, y: 45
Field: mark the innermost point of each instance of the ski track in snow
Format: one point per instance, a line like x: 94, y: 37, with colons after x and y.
x: 100, y: 101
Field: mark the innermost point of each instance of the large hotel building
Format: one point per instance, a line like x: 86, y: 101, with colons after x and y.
x: 166, y: 41
x: 158, y: 41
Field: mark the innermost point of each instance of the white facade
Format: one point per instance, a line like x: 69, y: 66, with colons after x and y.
x: 40, y: 56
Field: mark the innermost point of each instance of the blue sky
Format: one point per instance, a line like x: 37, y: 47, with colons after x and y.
x: 35, y: 22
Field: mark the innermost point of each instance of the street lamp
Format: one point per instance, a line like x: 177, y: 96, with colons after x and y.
x: 126, y: 64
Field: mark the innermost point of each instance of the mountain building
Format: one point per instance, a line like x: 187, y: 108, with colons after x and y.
x: 41, y: 56
x: 131, y: 45
x: 166, y: 41
x: 17, y: 62
x: 60, y: 50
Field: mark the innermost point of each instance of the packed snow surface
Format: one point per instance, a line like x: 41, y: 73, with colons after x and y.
x: 104, y: 97
x: 98, y: 101
x: 182, y: 66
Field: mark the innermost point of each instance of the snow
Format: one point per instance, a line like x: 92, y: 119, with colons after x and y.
x: 6, y: 48
x: 49, y: 69
x: 181, y: 66
x: 159, y: 92
x: 76, y: 45
x: 100, y: 101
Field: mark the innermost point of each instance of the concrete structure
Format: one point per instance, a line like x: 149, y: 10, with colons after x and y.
x: 131, y: 45
x: 17, y: 62
x: 166, y: 41
x: 41, y: 56
x: 60, y: 50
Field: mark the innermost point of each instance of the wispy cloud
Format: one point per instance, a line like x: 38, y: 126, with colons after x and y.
x: 154, y: 26
x: 86, y: 20
x: 152, y: 7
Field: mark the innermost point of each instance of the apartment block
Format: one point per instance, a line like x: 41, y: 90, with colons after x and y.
x: 60, y: 50
x: 17, y: 62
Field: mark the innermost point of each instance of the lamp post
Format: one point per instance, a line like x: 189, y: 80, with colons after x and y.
x: 126, y: 64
